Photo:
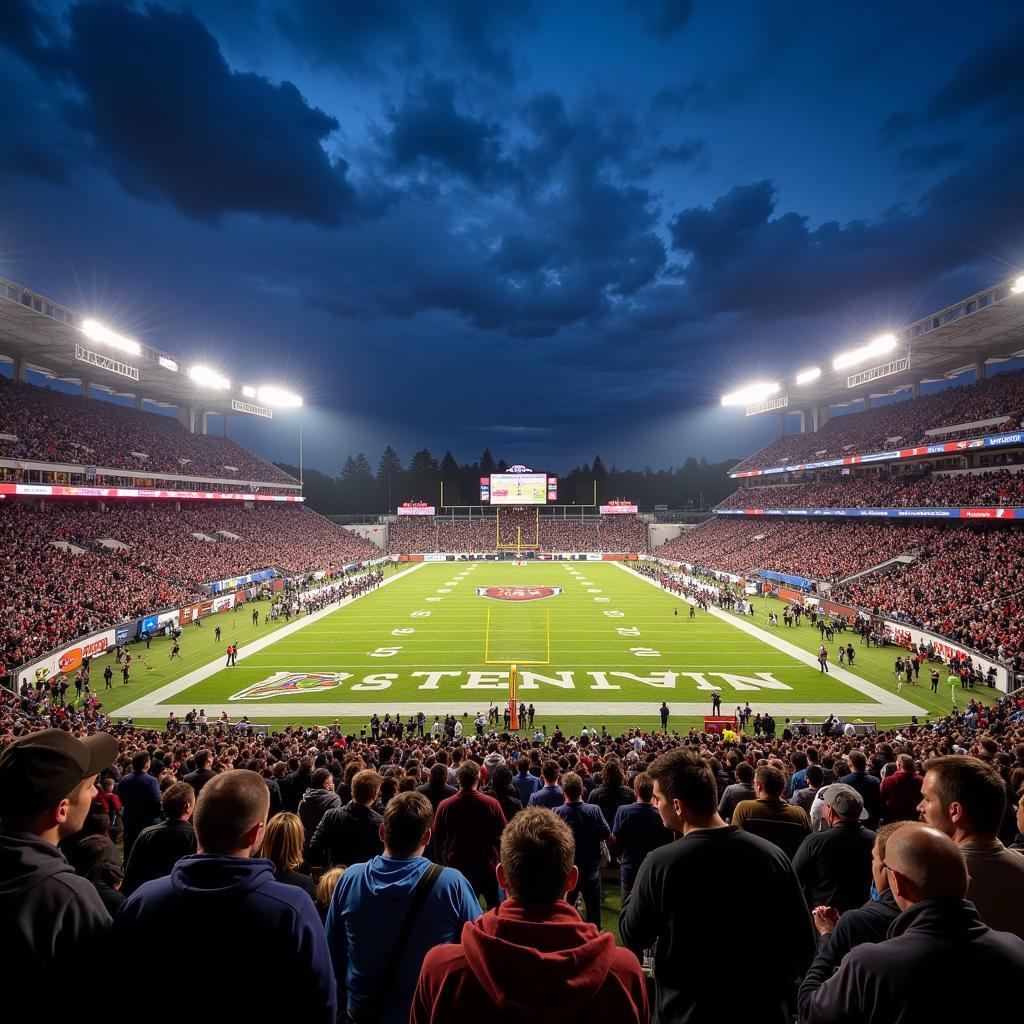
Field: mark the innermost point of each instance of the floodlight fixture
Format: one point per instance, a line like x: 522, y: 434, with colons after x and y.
x: 882, y: 344
x: 168, y: 363
x: 208, y: 378
x: 806, y: 376
x: 95, y: 331
x: 269, y: 395
x: 1018, y: 285
x: 249, y: 392
x: 751, y: 393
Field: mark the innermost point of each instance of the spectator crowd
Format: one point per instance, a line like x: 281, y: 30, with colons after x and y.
x: 52, y: 426
x: 346, y: 872
x: 994, y: 489
x: 51, y: 595
x: 903, y: 424
x: 617, y: 533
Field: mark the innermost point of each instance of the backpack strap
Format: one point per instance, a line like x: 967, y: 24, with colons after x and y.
x: 419, y: 897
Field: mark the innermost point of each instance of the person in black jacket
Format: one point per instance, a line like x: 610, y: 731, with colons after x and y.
x: 161, y: 846
x: 350, y: 834
x: 834, y: 866
x: 672, y: 892
x: 51, y: 920
x: 203, y: 773
x: 501, y: 788
x: 870, y: 923
x: 293, y: 786
x: 937, y: 940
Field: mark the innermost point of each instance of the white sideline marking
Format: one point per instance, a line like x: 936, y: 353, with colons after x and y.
x: 888, y: 704
x: 144, y: 706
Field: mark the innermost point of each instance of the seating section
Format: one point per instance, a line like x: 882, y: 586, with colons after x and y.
x: 51, y: 426
x: 1001, y: 396
x: 414, y: 534
x: 819, y: 550
x: 51, y: 595
x: 994, y: 489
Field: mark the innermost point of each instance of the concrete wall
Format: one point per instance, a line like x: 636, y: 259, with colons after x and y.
x: 375, y: 533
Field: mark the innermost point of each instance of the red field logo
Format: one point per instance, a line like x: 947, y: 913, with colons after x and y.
x: 518, y: 593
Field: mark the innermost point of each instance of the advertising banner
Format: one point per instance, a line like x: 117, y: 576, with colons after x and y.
x: 942, y: 448
x: 72, y: 491
x: 880, y: 513
x: 832, y: 608
x: 619, y: 509
x: 125, y: 631
x: 69, y: 658
x: 781, y: 577
x: 415, y: 510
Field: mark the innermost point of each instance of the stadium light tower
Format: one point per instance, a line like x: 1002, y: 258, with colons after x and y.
x: 1018, y: 285
x: 751, y: 393
x: 95, y: 331
x: 281, y: 399
x: 208, y: 378
x: 881, y: 345
x: 806, y: 376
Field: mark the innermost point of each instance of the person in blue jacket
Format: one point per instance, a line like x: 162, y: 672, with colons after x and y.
x: 370, y: 905
x: 220, y: 933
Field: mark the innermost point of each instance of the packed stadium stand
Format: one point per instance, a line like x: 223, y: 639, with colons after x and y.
x: 904, y: 423
x: 51, y: 426
x: 53, y: 594
x: 996, y: 488
x: 413, y: 534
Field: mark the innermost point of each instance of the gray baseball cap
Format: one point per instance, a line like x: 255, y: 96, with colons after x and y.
x: 845, y: 801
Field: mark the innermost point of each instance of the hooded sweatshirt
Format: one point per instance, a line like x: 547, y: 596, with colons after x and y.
x: 51, y: 920
x: 366, y: 913
x: 248, y: 935
x: 917, y: 974
x: 517, y: 963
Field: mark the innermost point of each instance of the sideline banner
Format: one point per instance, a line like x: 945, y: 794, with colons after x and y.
x: 880, y: 513
x: 60, y: 491
x: 69, y: 658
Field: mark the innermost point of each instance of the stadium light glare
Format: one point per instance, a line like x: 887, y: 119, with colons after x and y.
x: 1018, y: 285
x: 208, y: 378
x: 279, y: 397
x: 751, y: 393
x: 806, y: 376
x: 95, y: 331
x: 168, y: 363
x: 881, y: 345
x: 248, y: 391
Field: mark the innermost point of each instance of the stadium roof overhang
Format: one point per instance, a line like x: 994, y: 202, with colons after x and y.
x: 47, y: 337
x: 988, y: 327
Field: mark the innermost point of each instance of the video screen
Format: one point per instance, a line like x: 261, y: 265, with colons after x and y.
x: 519, y: 489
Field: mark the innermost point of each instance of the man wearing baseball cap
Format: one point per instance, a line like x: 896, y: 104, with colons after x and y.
x: 51, y: 920
x: 834, y: 866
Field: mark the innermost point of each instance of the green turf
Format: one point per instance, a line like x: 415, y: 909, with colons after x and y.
x: 590, y: 652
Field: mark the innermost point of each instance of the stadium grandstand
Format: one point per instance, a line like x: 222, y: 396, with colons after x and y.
x: 118, y: 524
x: 938, y: 476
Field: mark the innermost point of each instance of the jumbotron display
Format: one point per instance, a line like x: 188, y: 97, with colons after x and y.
x: 518, y: 488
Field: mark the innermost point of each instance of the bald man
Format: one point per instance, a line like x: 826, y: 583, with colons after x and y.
x: 937, y: 938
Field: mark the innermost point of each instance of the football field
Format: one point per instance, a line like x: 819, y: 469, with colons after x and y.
x: 595, y: 643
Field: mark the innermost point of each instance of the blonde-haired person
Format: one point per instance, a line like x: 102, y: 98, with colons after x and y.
x: 325, y: 888
x: 282, y: 846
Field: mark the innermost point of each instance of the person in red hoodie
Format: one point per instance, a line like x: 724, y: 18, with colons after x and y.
x: 533, y: 957
x: 901, y: 791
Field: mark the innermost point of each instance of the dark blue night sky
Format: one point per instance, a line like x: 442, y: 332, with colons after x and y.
x: 551, y: 229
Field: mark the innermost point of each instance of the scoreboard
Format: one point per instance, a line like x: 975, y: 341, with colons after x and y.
x: 522, y: 488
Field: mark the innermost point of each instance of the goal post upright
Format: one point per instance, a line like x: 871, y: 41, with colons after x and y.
x: 513, y: 704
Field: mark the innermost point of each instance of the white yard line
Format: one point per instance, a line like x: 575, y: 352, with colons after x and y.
x: 150, y: 705
x: 887, y: 705
x: 892, y: 705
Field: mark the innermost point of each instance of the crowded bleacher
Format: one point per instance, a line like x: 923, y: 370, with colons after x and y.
x: 51, y: 426
x: 904, y: 423
x: 53, y: 594
x: 621, y: 533
x: 994, y: 488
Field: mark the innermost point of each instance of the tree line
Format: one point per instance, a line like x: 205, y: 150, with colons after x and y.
x: 359, y: 489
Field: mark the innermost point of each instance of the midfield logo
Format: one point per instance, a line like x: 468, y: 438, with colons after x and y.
x: 518, y: 593
x: 290, y: 682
